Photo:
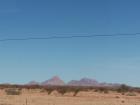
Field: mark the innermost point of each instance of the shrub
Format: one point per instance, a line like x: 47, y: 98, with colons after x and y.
x: 49, y: 91
x: 76, y: 92
x: 43, y: 90
x: 106, y: 91
x: 123, y: 88
x: 13, y: 91
x: 131, y: 94
x: 103, y: 89
x: 62, y: 91
x: 117, y: 97
x: 96, y: 90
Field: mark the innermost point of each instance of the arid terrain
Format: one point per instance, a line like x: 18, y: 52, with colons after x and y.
x: 91, y: 97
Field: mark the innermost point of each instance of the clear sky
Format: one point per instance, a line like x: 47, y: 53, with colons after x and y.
x: 107, y: 59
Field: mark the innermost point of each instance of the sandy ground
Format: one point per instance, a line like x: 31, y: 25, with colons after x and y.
x: 35, y: 97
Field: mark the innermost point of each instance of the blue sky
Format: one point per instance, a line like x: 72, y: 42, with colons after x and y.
x: 107, y: 59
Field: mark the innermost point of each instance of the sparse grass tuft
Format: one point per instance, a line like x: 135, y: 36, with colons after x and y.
x: 13, y: 91
x: 131, y: 94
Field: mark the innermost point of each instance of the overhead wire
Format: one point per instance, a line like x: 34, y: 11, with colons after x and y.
x: 72, y: 36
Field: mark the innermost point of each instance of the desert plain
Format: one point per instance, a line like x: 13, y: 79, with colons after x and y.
x: 39, y: 97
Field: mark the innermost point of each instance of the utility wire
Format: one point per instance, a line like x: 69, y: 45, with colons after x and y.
x: 72, y: 36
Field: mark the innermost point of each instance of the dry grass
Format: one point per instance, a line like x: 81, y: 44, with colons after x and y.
x: 90, y: 97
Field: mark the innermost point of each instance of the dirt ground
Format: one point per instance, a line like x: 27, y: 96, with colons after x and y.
x: 35, y: 97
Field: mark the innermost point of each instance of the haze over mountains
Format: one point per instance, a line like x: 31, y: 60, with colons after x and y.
x: 56, y: 81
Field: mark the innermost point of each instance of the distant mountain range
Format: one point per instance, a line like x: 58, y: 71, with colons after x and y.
x: 56, y: 81
x: 83, y: 82
x: 53, y: 81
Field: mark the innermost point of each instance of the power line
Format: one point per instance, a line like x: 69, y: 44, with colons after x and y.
x: 72, y: 36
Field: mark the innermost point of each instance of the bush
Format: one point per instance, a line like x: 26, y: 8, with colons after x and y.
x: 131, y: 94
x: 103, y: 90
x: 96, y: 90
x: 62, y: 91
x: 43, y: 91
x: 117, y: 97
x: 76, y: 92
x: 106, y: 91
x: 123, y: 88
x: 13, y: 91
x: 49, y: 91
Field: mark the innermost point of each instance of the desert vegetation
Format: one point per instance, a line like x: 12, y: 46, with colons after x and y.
x: 68, y: 95
x: 13, y: 91
x: 16, y: 89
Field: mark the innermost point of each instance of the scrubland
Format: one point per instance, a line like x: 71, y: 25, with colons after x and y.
x: 54, y: 95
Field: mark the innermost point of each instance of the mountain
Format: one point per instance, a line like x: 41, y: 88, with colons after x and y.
x: 91, y: 82
x: 84, y: 82
x: 54, y: 81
